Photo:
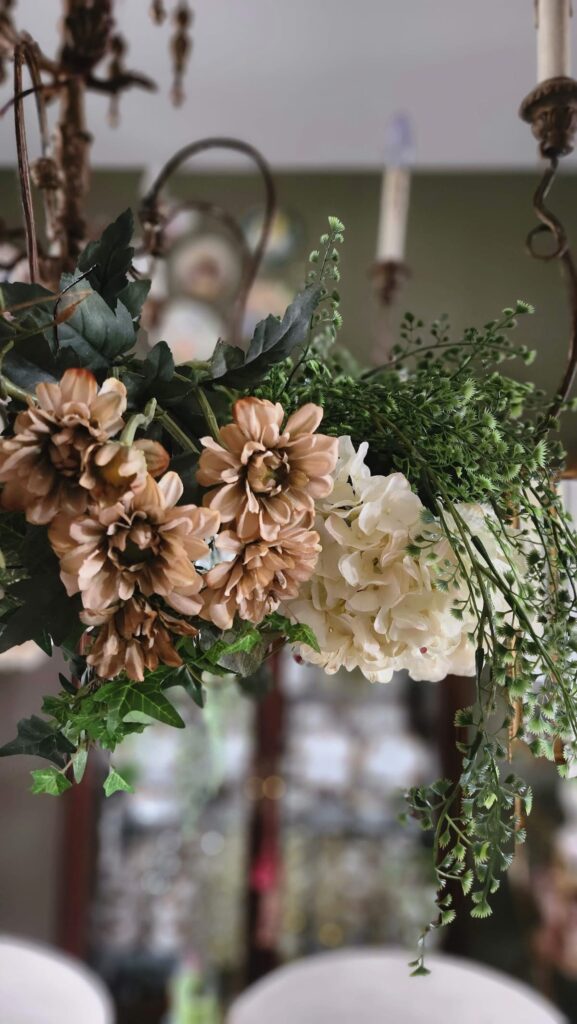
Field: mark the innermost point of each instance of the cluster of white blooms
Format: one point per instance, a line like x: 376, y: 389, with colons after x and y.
x: 370, y: 603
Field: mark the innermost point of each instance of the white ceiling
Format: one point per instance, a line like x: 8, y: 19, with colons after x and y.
x: 312, y: 83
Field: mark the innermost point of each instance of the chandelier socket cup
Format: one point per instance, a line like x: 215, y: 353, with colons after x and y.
x: 551, y: 110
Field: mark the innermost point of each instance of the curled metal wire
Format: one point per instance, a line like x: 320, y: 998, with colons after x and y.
x: 552, y: 225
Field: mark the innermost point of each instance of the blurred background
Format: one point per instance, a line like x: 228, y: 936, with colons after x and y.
x: 269, y: 829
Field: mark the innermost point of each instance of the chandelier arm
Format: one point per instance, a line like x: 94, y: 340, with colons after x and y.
x: 24, y: 167
x: 568, y: 379
x: 551, y: 224
x: 152, y: 220
x: 211, y: 209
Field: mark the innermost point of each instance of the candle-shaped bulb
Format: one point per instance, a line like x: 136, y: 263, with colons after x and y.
x: 553, y: 39
x: 395, y: 190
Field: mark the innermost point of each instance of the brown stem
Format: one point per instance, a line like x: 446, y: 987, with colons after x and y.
x: 151, y: 218
x: 24, y: 168
x: 72, y: 148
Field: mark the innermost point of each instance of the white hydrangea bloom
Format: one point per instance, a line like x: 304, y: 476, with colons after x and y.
x: 371, y: 605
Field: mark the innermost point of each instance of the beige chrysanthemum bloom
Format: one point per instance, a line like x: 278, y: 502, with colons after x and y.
x: 143, y: 544
x: 134, y: 637
x: 111, y: 469
x: 267, y: 475
x: 256, y: 577
x: 41, y: 465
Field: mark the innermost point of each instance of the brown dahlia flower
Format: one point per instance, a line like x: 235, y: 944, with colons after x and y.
x: 113, y: 468
x: 142, y: 544
x: 133, y: 637
x: 256, y: 577
x: 266, y: 476
x: 41, y: 465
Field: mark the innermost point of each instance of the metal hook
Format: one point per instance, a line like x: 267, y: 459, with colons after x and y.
x: 549, y: 222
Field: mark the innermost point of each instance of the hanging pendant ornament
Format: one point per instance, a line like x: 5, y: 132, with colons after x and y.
x: 181, y: 47
x: 158, y: 12
x: 118, y: 48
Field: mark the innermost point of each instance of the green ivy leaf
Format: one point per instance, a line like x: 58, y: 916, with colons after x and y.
x: 114, y: 783
x: 49, y: 780
x: 295, y: 632
x: 40, y: 738
x: 273, y: 341
x: 79, y: 760
x: 109, y: 258
x: 183, y: 676
x: 148, y: 698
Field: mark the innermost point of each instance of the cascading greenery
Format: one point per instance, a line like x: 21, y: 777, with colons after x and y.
x: 442, y: 413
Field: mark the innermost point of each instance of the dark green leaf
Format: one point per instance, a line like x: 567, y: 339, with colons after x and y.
x: 67, y: 685
x: 110, y: 258
x: 30, y: 362
x: 244, y: 663
x: 295, y: 632
x: 159, y: 364
x: 36, y: 305
x: 145, y: 698
x: 45, y: 609
x: 96, y: 334
x: 134, y: 295
x: 183, y: 677
x: 40, y: 738
x: 273, y: 341
x: 186, y: 464
x: 225, y: 359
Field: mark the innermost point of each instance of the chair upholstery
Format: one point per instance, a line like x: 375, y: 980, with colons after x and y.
x: 41, y: 986
x: 375, y: 987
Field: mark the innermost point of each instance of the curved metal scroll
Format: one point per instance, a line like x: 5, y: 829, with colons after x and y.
x: 551, y: 224
x: 154, y: 222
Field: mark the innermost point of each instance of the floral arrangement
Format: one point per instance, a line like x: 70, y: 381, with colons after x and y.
x: 164, y: 524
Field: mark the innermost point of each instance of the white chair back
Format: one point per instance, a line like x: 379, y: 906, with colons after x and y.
x: 374, y: 987
x: 41, y: 986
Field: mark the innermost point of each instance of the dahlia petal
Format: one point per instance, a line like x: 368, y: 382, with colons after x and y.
x: 49, y: 396
x: 253, y: 415
x: 183, y: 603
x: 226, y: 500
x: 232, y: 440
x: 171, y: 488
x: 157, y: 457
x: 106, y: 410
x: 304, y: 421
x: 78, y: 385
